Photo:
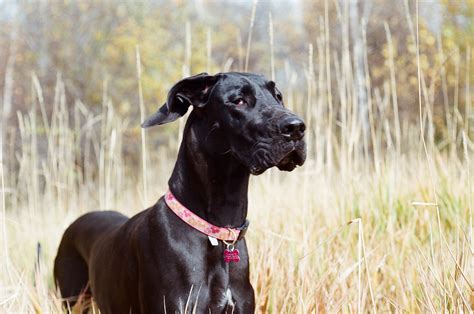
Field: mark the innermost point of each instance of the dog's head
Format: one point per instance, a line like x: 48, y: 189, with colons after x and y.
x: 243, y: 114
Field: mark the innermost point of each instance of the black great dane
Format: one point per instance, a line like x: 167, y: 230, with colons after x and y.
x: 166, y: 258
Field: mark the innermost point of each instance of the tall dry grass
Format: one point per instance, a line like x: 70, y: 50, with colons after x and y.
x: 377, y: 224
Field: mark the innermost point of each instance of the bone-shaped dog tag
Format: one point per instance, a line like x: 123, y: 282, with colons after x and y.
x: 231, y: 255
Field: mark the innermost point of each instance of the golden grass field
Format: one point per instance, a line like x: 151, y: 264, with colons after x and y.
x: 379, y: 227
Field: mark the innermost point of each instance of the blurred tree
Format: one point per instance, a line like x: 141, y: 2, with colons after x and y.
x: 89, y: 42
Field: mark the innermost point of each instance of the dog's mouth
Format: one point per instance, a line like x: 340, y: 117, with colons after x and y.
x: 292, y: 160
x: 292, y: 156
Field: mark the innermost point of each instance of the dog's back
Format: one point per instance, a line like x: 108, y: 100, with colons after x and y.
x: 71, y: 272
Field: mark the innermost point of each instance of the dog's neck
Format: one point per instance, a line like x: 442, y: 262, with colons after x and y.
x: 214, y: 186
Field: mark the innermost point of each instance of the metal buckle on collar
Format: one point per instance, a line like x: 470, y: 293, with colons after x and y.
x: 243, y: 229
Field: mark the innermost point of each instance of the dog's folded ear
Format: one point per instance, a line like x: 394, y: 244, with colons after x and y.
x: 194, y: 90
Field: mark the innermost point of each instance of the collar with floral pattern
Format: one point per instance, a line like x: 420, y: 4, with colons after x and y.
x: 193, y: 220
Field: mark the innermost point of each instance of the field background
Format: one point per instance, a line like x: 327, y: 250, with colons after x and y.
x: 379, y: 219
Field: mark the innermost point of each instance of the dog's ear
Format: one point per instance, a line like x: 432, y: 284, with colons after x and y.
x: 194, y: 90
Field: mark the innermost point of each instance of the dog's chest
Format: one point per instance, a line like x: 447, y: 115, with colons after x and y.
x: 227, y: 299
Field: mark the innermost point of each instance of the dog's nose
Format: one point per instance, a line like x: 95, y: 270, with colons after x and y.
x: 292, y: 128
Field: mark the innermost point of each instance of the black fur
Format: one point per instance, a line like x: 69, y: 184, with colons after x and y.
x: 154, y: 261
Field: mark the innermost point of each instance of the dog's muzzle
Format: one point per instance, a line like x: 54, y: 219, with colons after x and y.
x: 287, y: 151
x: 292, y: 129
x: 295, y: 157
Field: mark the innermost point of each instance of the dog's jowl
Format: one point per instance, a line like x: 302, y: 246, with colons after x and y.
x: 188, y: 251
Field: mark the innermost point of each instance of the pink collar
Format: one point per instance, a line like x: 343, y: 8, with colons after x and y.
x: 223, y: 234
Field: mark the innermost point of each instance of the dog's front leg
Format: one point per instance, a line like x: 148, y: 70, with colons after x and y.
x: 244, y: 301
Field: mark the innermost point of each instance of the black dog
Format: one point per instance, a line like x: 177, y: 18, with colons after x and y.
x: 156, y: 262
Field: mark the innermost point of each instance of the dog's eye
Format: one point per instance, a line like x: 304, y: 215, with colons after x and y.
x: 239, y: 102
x: 279, y: 97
